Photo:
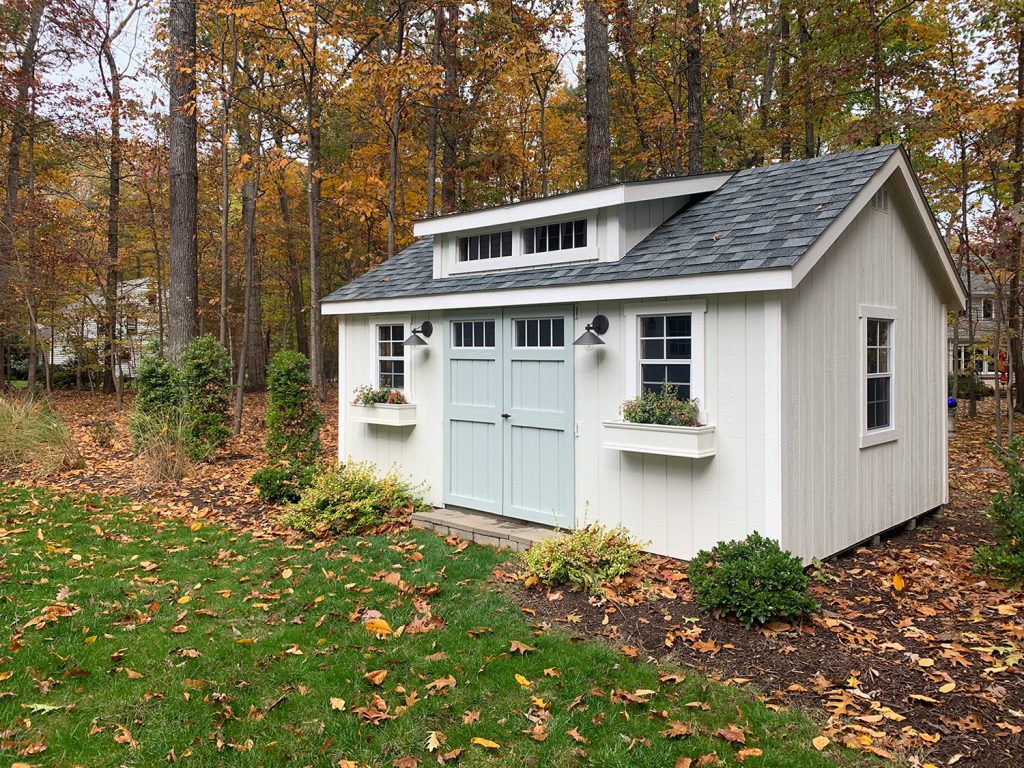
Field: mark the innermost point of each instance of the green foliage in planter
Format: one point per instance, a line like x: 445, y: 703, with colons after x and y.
x: 366, y: 395
x: 755, y: 580
x: 293, y: 429
x: 1005, y: 559
x: 159, y: 395
x: 663, y: 407
x: 350, y: 499
x: 206, y: 383
x: 589, y: 558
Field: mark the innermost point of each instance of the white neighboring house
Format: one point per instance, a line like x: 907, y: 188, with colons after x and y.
x: 83, y: 330
x: 804, y: 305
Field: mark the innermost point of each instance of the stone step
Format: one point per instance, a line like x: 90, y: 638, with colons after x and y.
x: 484, y: 528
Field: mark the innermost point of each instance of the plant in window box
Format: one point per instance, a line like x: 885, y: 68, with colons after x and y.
x: 383, y: 405
x: 660, y: 423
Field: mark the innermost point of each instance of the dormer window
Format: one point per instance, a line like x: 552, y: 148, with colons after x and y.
x: 494, y: 245
x: 561, y: 236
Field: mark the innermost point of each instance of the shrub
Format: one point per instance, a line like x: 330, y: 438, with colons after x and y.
x: 162, y: 444
x: 351, y: 499
x: 30, y: 430
x: 158, y: 395
x: 1005, y: 559
x: 588, y: 558
x: 206, y: 387
x: 103, y: 433
x: 293, y: 429
x: 366, y: 395
x: 755, y: 580
x: 663, y: 407
x: 963, y: 384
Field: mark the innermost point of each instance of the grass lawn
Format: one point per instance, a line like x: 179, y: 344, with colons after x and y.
x: 131, y: 640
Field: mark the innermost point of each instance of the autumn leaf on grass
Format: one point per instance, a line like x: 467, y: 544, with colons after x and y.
x: 471, y: 716
x: 434, y: 740
x: 733, y: 734
x: 897, y: 583
x: 441, y: 684
x: 577, y: 736
x: 676, y: 730
x: 520, y: 648
x: 338, y: 705
x: 820, y: 742
x: 525, y: 682
x: 378, y: 627
x: 486, y: 743
x: 376, y: 677
x: 748, y: 752
x: 406, y: 762
x: 451, y: 755
x: 124, y: 736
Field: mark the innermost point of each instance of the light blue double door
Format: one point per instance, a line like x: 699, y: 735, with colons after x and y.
x: 508, y: 417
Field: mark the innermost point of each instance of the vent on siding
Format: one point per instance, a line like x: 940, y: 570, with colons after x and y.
x: 880, y: 200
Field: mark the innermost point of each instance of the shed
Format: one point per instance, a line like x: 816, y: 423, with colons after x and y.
x: 803, y: 305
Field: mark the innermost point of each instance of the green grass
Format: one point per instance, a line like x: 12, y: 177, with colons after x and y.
x: 134, y: 578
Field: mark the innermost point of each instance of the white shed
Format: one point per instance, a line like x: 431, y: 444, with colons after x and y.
x: 803, y: 305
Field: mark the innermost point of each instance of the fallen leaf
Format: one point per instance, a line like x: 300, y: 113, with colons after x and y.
x: 486, y: 743
x: 820, y: 742
x: 376, y: 677
x: 338, y: 705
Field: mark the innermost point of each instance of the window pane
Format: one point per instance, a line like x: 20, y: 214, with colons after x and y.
x: 545, y: 333
x: 567, y: 234
x: 678, y: 374
x: 652, y: 326
x: 653, y: 375
x: 558, y: 332
x: 883, y: 360
x: 463, y: 249
x: 677, y: 325
x: 553, y: 239
x: 528, y: 240
x: 872, y: 333
x: 496, y: 245
x: 506, y: 243
x: 542, y: 239
x: 474, y: 248
x: 456, y: 334
x: 678, y: 349
x: 580, y: 241
x: 520, y: 333
x: 883, y: 333
x: 384, y: 332
x: 478, y: 333
x: 652, y: 349
x: 489, y: 333
x: 531, y: 333
x: 872, y: 360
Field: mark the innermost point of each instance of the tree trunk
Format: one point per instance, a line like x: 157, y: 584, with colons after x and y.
x: 876, y: 78
x: 694, y: 91
x: 434, y: 109
x: 452, y: 111
x: 395, y: 129
x: 183, y: 301
x: 252, y: 348
x: 113, y: 276
x: 1017, y: 187
x: 595, y: 41
x: 294, y: 278
x: 626, y: 38
x: 810, y: 147
x: 313, y: 203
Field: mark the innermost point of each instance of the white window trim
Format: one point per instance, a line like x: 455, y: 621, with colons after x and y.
x: 519, y: 259
x: 631, y: 349
x: 892, y: 432
x: 375, y: 323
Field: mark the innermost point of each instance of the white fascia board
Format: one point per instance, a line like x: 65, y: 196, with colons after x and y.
x: 898, y: 163
x: 573, y: 202
x: 624, y: 290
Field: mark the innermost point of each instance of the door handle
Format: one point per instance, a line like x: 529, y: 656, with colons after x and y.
x: 506, y: 415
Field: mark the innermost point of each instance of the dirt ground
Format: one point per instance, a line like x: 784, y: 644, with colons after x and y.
x: 932, y: 673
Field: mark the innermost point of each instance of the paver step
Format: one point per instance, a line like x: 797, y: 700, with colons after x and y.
x: 483, y: 528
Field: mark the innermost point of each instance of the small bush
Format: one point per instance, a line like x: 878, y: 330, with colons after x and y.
x: 103, y: 433
x: 963, y: 385
x: 754, y: 580
x: 366, y: 395
x: 588, y: 558
x: 30, y: 430
x: 159, y: 394
x: 284, y: 482
x: 663, y: 407
x: 1005, y: 559
x: 162, y: 444
x: 206, y: 387
x: 351, y: 499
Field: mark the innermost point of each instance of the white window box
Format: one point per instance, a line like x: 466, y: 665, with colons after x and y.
x: 388, y: 415
x: 659, y: 439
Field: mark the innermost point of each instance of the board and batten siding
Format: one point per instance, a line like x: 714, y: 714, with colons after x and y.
x: 678, y: 505
x: 414, y: 451
x: 836, y: 494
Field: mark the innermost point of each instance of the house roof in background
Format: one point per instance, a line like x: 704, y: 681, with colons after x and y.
x: 760, y: 218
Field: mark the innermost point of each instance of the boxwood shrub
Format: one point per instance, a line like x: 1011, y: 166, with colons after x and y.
x: 754, y: 580
x: 1005, y: 559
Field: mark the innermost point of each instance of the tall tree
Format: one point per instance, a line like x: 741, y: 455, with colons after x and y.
x: 595, y: 42
x: 694, y: 89
x: 183, y: 298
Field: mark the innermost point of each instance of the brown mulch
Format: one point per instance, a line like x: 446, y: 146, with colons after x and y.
x: 932, y: 673
x: 218, y: 490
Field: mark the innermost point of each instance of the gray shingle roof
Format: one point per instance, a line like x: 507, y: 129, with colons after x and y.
x: 761, y: 218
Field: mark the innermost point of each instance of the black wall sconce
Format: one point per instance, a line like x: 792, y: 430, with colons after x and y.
x: 591, y: 335
x: 416, y: 339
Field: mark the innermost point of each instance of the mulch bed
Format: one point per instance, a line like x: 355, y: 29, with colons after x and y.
x: 932, y: 673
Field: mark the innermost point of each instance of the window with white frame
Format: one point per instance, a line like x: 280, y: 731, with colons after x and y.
x: 494, y: 245
x: 987, y: 309
x: 982, y: 359
x: 666, y: 353
x: 560, y: 236
x: 539, y: 332
x: 879, y: 373
x: 472, y: 333
x: 391, y: 356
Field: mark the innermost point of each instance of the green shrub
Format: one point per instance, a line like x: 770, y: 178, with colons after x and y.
x: 589, y: 558
x: 206, y: 387
x: 663, y: 407
x: 963, y: 384
x: 162, y: 442
x: 30, y: 430
x: 103, y: 433
x: 754, y: 580
x: 351, y: 499
x: 159, y: 394
x: 366, y: 395
x: 293, y: 429
x: 1005, y: 559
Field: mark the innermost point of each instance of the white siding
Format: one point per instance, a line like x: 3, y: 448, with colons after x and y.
x: 836, y: 494
x: 679, y: 505
x: 415, y: 451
